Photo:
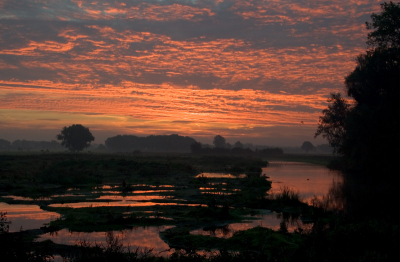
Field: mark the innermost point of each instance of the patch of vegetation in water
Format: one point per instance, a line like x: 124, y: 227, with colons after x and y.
x: 114, y: 218
x: 189, y: 203
x: 100, y: 219
x: 258, y: 239
x: 32, y: 171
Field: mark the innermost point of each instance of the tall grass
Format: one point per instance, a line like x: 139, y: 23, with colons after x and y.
x: 286, y: 195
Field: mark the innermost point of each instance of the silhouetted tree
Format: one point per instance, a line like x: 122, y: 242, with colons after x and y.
x: 75, y: 137
x: 4, y: 223
x: 4, y: 144
x: 386, y: 27
x: 238, y: 144
x: 219, y: 141
x: 35, y: 145
x: 307, y: 146
x: 21, y: 144
x: 332, y: 124
x: 195, y: 147
x: 371, y: 127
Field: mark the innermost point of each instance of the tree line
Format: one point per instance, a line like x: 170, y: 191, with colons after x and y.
x: 26, y: 145
x: 75, y: 138
x: 221, y: 147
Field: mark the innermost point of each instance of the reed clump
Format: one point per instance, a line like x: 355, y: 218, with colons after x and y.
x: 287, y: 195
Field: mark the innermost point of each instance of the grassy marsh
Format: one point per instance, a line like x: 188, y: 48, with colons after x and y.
x: 104, y: 193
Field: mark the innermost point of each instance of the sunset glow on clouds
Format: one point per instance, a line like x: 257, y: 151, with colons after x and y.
x: 249, y: 70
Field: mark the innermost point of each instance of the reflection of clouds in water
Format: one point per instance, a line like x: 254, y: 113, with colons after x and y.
x: 27, y: 198
x: 27, y: 216
x: 308, y: 179
x: 121, y: 203
x: 143, y: 237
x: 131, y: 198
x: 133, y: 191
x: 271, y: 221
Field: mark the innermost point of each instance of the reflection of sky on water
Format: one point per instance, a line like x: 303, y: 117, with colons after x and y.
x: 120, y: 203
x: 143, y: 237
x: 308, y: 179
x: 26, y: 216
x: 25, y: 198
x: 133, y: 191
x: 270, y: 220
x: 41, y: 198
x: 150, y: 191
x: 131, y: 198
x: 152, y: 186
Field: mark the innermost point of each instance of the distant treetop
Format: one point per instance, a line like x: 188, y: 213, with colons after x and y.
x: 75, y: 137
x: 219, y: 141
x: 307, y: 146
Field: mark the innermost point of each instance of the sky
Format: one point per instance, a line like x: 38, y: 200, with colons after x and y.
x: 258, y: 71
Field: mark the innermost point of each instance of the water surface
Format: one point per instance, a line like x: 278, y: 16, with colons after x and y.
x: 311, y: 181
x: 271, y: 220
x: 142, y: 237
x: 308, y: 179
x: 26, y: 216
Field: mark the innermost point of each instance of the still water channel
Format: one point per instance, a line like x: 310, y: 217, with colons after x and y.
x: 310, y: 181
x: 25, y: 217
x: 144, y: 238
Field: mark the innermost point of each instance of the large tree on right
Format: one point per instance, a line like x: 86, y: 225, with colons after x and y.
x: 372, y: 127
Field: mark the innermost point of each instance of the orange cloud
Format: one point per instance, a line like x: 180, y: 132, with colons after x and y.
x: 144, y: 11
x: 166, y: 103
x: 235, y: 67
x: 286, y: 11
x: 230, y: 60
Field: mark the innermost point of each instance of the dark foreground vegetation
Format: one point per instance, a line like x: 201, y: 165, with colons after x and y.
x: 350, y: 224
